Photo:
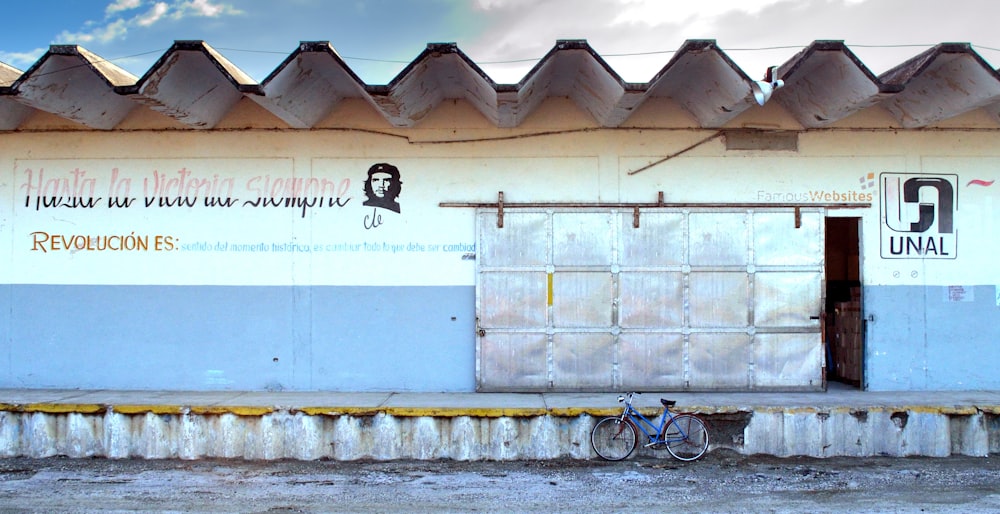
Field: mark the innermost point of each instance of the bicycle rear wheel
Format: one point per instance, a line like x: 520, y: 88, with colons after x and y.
x: 613, y: 439
x: 686, y: 437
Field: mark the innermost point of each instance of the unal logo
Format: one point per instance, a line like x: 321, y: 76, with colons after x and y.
x: 918, y: 216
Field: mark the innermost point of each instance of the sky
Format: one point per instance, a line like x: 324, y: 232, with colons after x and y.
x: 506, y: 38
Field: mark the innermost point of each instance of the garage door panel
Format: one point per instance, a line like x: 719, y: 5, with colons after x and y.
x: 719, y: 299
x: 582, y: 361
x: 513, y: 361
x: 652, y: 360
x: 522, y: 241
x: 787, y: 299
x: 777, y: 242
x: 512, y: 299
x: 718, y: 238
x: 651, y: 299
x: 582, y: 299
x: 659, y: 240
x: 720, y: 360
x: 581, y: 238
x: 786, y: 360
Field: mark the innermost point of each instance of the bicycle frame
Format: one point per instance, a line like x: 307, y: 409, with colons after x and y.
x: 616, y: 437
x: 641, y: 422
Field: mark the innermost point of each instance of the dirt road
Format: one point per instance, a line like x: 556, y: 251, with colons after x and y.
x: 721, y: 482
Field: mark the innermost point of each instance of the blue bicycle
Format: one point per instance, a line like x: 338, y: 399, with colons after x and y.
x: 683, y: 435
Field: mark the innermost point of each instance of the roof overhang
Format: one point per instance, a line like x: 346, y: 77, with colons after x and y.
x: 945, y: 81
x: 12, y: 113
x: 75, y: 84
x: 703, y: 80
x: 193, y: 84
x: 826, y: 82
x: 308, y: 85
x: 440, y: 72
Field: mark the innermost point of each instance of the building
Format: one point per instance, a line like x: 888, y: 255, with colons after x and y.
x: 193, y: 229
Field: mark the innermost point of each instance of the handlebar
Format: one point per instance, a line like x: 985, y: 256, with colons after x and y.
x: 627, y: 396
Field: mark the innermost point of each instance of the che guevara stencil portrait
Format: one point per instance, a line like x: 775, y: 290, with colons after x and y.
x: 383, y: 186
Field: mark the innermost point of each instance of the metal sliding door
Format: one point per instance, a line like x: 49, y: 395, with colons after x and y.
x: 690, y: 299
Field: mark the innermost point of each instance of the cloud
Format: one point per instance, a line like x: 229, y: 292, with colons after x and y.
x: 638, y: 37
x: 206, y: 8
x: 655, y: 12
x: 116, y: 27
x: 121, y: 5
x: 527, y: 29
x: 22, y: 60
x: 101, y: 34
x: 153, y: 15
x: 619, y: 30
x: 181, y: 9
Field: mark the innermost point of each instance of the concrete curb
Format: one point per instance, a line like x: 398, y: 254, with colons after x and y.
x: 383, y: 426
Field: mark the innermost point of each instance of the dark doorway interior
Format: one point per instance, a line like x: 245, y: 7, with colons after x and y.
x: 844, y: 327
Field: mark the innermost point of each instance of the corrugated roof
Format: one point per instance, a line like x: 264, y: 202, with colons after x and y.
x: 8, y: 74
x: 71, y: 82
x: 12, y: 113
x: 197, y: 86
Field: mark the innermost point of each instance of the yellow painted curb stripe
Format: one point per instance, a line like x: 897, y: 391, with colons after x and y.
x: 572, y: 412
x: 148, y: 409
x: 474, y: 412
x: 481, y: 412
x: 432, y: 412
x: 339, y: 411
x: 235, y: 410
x: 64, y: 408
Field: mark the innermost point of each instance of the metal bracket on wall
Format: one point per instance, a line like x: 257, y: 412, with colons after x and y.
x: 500, y: 209
x: 635, y: 209
x: 798, y: 217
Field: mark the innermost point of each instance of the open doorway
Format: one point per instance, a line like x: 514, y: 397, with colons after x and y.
x: 844, y: 327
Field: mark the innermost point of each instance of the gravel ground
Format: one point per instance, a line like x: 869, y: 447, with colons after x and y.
x: 720, y: 482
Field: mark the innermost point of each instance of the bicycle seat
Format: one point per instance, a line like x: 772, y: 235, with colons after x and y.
x: 668, y: 403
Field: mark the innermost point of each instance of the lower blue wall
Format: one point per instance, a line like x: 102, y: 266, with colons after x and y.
x: 922, y: 339
x: 387, y: 338
x: 238, y: 338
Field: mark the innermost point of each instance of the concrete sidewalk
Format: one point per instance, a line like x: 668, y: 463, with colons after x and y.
x: 479, y: 426
x: 483, y: 404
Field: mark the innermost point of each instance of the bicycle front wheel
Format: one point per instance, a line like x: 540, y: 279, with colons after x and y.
x: 686, y: 437
x: 613, y: 439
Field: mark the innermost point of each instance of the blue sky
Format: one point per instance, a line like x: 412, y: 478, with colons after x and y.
x: 505, y: 37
